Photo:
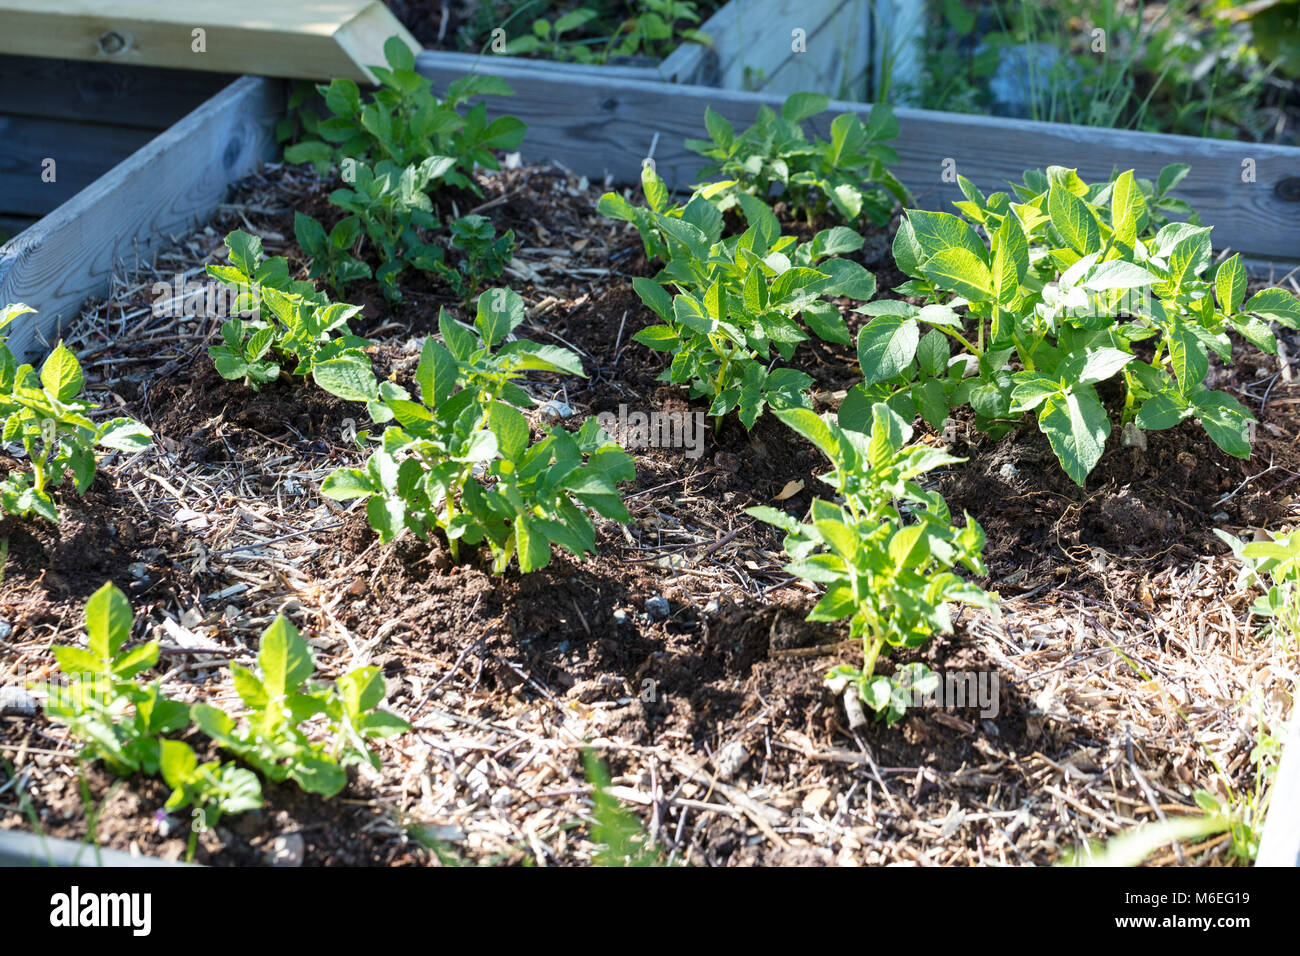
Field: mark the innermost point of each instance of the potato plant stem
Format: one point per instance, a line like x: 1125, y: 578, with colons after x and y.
x: 977, y: 352
x: 872, y: 651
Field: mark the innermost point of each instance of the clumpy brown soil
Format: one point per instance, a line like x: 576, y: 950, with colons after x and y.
x: 1158, y: 503
x: 126, y: 814
x: 105, y: 535
x: 198, y: 413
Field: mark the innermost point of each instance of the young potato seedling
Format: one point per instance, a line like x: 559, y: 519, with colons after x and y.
x: 459, y: 459
x: 739, y: 300
x: 1273, y: 566
x: 392, y: 204
x: 305, y: 332
x: 885, y: 550
x: 775, y: 161
x: 121, y: 721
x: 1076, y: 288
x: 102, y: 703
x: 43, y: 413
x: 331, y: 253
x: 213, y: 789
x: 700, y: 211
x: 404, y: 123
x: 281, y: 698
x: 483, y: 255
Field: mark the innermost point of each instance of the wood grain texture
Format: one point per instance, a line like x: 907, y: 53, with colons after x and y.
x: 80, y: 152
x: 167, y: 187
x: 754, y: 41
x: 897, y: 47
x: 108, y: 93
x: 602, y: 127
x: 308, y: 39
x: 496, y: 63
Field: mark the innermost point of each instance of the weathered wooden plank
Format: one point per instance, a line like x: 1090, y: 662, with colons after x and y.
x: 691, y: 63
x: 172, y: 184
x: 898, y: 28
x: 108, y: 93
x: 605, y: 126
x: 310, y: 39
x: 493, y: 63
x: 757, y: 47
x: 1279, y: 845
x: 37, y: 849
x: 44, y: 163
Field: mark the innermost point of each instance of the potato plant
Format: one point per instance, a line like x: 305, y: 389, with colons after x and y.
x: 212, y: 788
x: 404, y: 123
x: 460, y: 459
x: 331, y: 253
x: 775, y: 160
x: 1073, y: 286
x: 281, y: 698
x: 120, y: 720
x: 393, y: 206
x: 390, y: 207
x: 392, y: 149
x: 42, y: 413
x: 885, y: 549
x: 292, y: 326
x: 739, y: 300
x: 482, y: 255
x: 700, y: 211
x: 1273, y: 566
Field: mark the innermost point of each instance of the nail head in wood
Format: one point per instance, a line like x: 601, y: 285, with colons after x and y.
x: 113, y: 43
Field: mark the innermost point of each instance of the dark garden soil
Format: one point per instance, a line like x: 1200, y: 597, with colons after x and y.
x: 105, y: 535
x: 128, y: 816
x: 679, y: 652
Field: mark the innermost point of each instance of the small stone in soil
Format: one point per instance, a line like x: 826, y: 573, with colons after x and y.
x: 248, y: 824
x: 728, y: 761
x: 555, y: 409
x: 16, y: 702
x: 287, y: 850
x: 657, y: 607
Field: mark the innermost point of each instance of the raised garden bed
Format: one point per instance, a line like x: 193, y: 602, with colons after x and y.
x: 127, y: 205
x: 680, y: 650
x: 608, y: 127
x: 477, y: 29
x: 776, y: 46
